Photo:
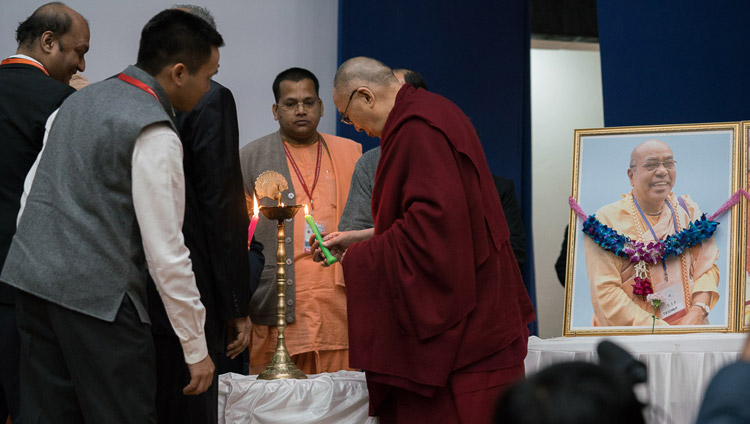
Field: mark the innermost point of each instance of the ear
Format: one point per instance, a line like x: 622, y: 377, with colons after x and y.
x: 48, y: 42
x: 321, y: 107
x: 275, y: 110
x: 178, y: 74
x: 368, y: 96
x: 630, y: 175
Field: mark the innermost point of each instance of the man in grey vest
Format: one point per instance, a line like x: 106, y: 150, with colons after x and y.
x: 103, y: 202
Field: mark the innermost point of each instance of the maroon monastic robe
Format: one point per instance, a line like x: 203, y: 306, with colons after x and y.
x: 435, y: 296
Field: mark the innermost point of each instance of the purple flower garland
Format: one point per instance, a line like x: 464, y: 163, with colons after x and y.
x: 697, y: 231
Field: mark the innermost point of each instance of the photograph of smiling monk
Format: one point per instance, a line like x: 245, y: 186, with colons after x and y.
x: 652, y: 212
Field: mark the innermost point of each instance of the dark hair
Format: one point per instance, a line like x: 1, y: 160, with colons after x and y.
x: 294, y: 75
x: 48, y: 17
x: 175, y: 36
x: 415, y: 79
x: 571, y: 393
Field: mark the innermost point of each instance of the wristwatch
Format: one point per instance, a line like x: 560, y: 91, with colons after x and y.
x: 706, y: 308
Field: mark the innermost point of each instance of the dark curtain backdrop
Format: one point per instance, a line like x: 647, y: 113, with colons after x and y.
x: 674, y: 62
x: 476, y: 54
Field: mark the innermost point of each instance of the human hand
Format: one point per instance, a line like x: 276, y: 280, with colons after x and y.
x: 333, y: 242
x: 695, y: 316
x: 201, y: 376
x: 338, y: 242
x: 78, y: 81
x: 315, y: 251
x: 238, y: 332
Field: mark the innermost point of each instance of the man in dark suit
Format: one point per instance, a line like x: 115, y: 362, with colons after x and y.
x: 215, y: 230
x: 507, y: 192
x: 52, y: 43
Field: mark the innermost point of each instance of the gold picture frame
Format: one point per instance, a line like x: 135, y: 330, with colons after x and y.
x: 743, y: 280
x: 706, y: 174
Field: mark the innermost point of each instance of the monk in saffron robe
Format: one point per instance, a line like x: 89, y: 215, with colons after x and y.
x: 318, y: 169
x: 652, y: 212
x: 437, y: 309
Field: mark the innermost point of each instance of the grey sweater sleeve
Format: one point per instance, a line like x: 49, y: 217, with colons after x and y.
x: 357, y: 213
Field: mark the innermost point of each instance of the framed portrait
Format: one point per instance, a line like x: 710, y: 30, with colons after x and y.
x: 647, y: 251
x: 743, y: 313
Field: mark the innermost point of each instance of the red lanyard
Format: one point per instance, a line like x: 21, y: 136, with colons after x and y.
x: 23, y: 61
x: 299, y: 174
x: 132, y: 81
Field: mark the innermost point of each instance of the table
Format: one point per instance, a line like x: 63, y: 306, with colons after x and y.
x: 335, y: 398
x: 679, y: 366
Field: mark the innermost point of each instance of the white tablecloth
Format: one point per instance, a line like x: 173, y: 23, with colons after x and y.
x: 335, y: 398
x: 679, y: 366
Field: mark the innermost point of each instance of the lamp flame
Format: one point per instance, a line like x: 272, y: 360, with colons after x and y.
x: 255, y: 206
x: 306, y: 210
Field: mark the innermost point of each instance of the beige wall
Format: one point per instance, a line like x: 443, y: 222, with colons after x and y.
x: 565, y: 94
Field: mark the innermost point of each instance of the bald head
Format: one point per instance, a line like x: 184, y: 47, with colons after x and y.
x: 359, y: 71
x: 364, y: 92
x: 637, y: 155
x: 55, y: 17
x: 652, y: 174
x: 57, y: 37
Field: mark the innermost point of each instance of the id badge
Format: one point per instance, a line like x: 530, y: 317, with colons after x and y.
x: 674, y: 302
x: 309, y: 233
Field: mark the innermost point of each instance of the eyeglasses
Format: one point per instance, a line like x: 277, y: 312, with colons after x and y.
x: 345, y: 119
x: 652, y: 165
x: 306, y: 104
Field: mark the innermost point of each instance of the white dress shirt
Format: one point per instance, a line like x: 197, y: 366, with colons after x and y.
x: 23, y: 56
x: 158, y: 184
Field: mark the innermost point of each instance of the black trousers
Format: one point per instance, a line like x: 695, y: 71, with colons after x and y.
x: 172, y: 406
x: 9, y: 358
x: 80, y: 369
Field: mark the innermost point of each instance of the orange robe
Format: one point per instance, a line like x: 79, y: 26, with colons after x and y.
x: 611, y: 278
x: 317, y: 340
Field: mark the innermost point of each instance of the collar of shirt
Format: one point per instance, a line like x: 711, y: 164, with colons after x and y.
x: 23, y: 56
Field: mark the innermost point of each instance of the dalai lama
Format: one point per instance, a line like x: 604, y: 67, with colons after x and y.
x: 437, y: 307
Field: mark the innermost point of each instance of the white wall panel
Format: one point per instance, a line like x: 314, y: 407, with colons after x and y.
x: 566, y: 94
